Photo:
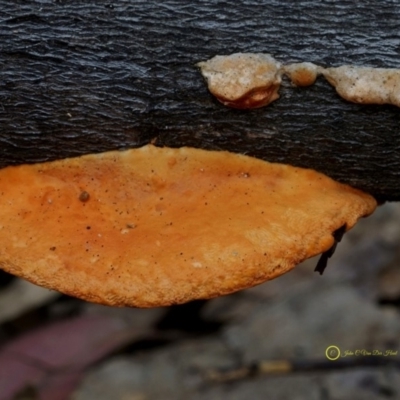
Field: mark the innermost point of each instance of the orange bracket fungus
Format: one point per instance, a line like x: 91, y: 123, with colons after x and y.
x: 243, y: 80
x: 159, y: 226
x: 365, y: 85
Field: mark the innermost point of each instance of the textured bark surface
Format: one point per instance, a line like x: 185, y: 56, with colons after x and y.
x: 78, y: 77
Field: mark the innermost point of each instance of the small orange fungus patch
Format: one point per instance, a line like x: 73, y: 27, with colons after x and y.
x: 302, y: 74
x: 243, y: 80
x: 160, y: 226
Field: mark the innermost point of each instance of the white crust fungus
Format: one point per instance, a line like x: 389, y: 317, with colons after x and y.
x: 247, y: 80
x: 243, y: 80
x: 365, y: 85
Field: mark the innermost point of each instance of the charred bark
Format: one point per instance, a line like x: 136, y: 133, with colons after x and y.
x: 78, y: 78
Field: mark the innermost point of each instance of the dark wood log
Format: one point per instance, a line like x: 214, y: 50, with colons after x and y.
x: 78, y: 77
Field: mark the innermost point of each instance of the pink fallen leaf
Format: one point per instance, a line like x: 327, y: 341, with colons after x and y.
x: 52, y: 359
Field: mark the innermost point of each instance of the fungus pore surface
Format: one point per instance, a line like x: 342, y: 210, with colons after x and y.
x: 159, y: 226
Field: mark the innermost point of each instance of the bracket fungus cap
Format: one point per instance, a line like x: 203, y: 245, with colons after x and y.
x: 159, y: 226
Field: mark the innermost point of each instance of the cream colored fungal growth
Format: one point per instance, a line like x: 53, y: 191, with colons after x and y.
x: 365, y: 85
x: 159, y: 226
x: 302, y: 74
x: 243, y: 80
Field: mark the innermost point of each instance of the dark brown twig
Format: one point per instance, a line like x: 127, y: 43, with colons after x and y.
x: 323, y: 261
